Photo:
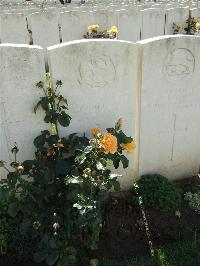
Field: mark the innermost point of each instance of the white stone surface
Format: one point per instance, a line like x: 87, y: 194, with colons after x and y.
x: 99, y: 17
x: 177, y: 16
x: 74, y: 25
x: 99, y: 83
x: 129, y: 25
x: 170, y: 106
x: 153, y: 23
x: 21, y: 68
x: 195, y: 12
x: 14, y: 28
x: 44, y: 27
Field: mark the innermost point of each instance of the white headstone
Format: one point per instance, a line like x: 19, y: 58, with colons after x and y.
x: 99, y: 83
x: 44, y: 27
x: 99, y: 17
x: 177, y: 16
x: 129, y: 25
x: 195, y: 12
x: 14, y: 28
x: 170, y: 107
x: 153, y: 23
x: 74, y: 25
x: 21, y: 68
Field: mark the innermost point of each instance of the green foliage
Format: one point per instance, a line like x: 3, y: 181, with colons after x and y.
x: 158, y: 193
x: 53, y: 104
x: 3, y: 235
x: 193, y: 200
x: 53, y: 203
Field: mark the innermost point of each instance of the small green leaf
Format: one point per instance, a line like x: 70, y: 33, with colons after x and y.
x: 64, y: 119
x: 72, y: 180
x: 39, y: 141
x: 116, y: 185
x: 80, y: 158
x: 48, y: 117
x: 116, y: 161
x: 45, y: 132
x: 45, y: 103
x: 77, y: 206
x: 63, y: 167
x: 28, y: 165
x: 53, y: 139
x: 88, y: 149
x: 12, y: 179
x: 36, y: 107
x: 13, y: 209
x: 3, y: 194
x: 125, y: 161
x: 100, y: 166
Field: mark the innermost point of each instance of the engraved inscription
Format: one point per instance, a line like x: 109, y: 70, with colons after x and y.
x: 98, y: 72
x: 179, y: 64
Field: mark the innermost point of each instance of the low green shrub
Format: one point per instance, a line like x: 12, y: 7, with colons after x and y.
x: 158, y: 193
x: 193, y: 200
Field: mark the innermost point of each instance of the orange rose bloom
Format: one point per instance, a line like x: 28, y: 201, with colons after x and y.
x: 95, y: 131
x: 109, y: 143
x: 129, y: 147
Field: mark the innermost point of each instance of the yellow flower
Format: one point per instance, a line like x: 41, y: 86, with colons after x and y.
x: 198, y: 26
x: 194, y: 20
x: 180, y: 26
x: 93, y: 27
x: 109, y: 143
x: 95, y: 131
x: 129, y: 147
x: 113, y: 29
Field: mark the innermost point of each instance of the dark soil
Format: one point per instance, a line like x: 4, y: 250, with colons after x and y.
x: 123, y: 233
x: 123, y: 230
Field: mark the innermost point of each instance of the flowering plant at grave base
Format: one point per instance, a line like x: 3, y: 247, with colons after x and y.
x: 193, y: 200
x: 190, y: 27
x: 95, y: 33
x: 58, y: 206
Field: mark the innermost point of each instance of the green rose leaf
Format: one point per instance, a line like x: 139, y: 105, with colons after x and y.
x: 3, y: 194
x: 116, y: 185
x: 13, y: 209
x: 45, y: 103
x: 125, y: 161
x: 39, y: 141
x: 80, y: 158
x: 63, y: 167
x: 64, y: 119
x: 36, y: 107
x: 28, y: 165
x: 116, y: 162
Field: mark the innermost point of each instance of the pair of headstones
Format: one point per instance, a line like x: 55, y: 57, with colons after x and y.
x: 153, y: 85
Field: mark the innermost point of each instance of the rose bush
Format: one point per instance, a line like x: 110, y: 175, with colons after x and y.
x: 54, y: 201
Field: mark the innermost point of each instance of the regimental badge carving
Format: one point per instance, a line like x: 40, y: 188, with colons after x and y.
x: 100, y: 71
x: 179, y: 64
